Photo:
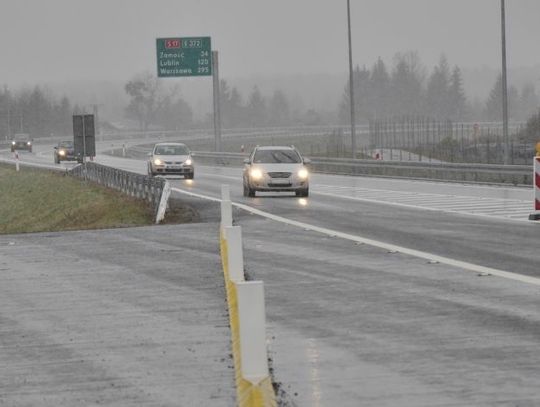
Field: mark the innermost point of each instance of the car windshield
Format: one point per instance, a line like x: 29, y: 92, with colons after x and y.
x: 66, y: 144
x: 21, y: 137
x: 276, y: 156
x: 171, y: 150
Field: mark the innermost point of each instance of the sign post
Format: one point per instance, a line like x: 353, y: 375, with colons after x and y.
x: 84, y: 137
x: 191, y: 56
x: 217, y: 110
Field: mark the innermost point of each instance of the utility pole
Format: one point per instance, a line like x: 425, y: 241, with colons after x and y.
x: 351, y: 84
x: 504, y: 87
x: 96, y: 121
x: 8, y: 136
x: 217, y: 109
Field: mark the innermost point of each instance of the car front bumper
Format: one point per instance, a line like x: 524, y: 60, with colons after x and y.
x: 267, y: 184
x: 172, y: 169
x: 67, y: 157
x: 21, y: 146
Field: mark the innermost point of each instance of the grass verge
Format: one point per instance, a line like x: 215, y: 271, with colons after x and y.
x: 34, y: 200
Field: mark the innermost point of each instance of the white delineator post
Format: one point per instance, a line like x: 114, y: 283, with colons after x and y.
x: 226, y: 207
x: 252, y: 322
x: 163, y: 202
x: 235, y: 253
x: 536, y: 185
x: 17, y: 161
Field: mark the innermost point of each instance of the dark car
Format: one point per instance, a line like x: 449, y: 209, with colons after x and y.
x: 64, y: 151
x: 21, y: 142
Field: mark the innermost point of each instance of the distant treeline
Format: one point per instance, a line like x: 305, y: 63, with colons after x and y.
x: 35, y: 112
x: 404, y: 89
x: 407, y: 89
x: 153, y: 105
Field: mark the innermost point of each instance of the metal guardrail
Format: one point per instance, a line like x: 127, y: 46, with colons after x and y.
x: 130, y: 183
x: 489, y: 173
x: 459, y: 172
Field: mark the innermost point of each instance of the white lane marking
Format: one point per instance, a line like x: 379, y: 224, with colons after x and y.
x: 375, y: 243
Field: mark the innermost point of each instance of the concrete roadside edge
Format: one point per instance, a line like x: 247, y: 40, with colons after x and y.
x: 247, y: 394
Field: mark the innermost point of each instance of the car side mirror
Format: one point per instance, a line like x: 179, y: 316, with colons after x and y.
x: 246, y: 161
x: 56, y: 147
x: 149, y: 154
x: 307, y: 161
x: 192, y: 154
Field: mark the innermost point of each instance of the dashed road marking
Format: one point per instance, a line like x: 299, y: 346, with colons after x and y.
x: 510, y: 209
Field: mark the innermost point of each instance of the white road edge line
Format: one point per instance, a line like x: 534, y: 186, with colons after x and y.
x: 386, y: 246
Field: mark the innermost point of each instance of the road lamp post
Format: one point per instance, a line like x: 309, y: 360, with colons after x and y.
x: 504, y: 87
x: 351, y: 84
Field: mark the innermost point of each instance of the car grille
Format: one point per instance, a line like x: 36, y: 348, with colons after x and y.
x: 279, y: 174
x: 174, y: 162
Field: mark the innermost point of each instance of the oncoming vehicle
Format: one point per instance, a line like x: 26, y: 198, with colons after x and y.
x: 171, y: 159
x: 64, y: 151
x: 276, y: 168
x: 21, y: 142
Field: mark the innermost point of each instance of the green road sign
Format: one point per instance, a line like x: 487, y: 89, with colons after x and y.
x: 190, y: 56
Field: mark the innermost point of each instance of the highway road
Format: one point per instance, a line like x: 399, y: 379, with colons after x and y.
x: 386, y: 292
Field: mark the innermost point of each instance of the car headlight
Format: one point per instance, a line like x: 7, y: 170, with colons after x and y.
x: 13, y: 143
x: 157, y: 161
x: 188, y: 161
x: 29, y: 143
x: 303, y: 173
x: 61, y: 152
x: 255, y: 173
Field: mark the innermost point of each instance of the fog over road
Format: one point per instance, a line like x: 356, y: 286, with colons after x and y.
x: 353, y: 324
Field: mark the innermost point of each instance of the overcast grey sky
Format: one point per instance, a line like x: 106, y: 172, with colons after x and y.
x: 56, y: 40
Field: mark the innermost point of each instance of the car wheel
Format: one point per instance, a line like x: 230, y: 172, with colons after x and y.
x: 150, y: 173
x: 12, y: 150
x: 56, y: 160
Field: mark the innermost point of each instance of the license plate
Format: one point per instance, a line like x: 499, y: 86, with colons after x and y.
x: 280, y: 181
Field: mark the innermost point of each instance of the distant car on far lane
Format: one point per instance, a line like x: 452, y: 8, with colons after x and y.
x: 64, y: 151
x: 21, y: 141
x: 276, y: 168
x: 171, y: 159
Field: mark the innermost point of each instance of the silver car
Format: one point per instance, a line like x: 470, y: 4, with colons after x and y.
x: 171, y: 159
x: 276, y: 168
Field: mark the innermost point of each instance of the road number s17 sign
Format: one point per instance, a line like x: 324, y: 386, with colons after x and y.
x: 191, y: 56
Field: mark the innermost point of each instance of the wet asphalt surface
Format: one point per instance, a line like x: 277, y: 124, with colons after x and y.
x: 354, y: 325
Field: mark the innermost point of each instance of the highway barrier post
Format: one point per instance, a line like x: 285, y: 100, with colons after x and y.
x: 16, y: 161
x: 536, y: 184
x: 252, y: 320
x: 226, y: 207
x: 245, y: 302
x: 235, y: 253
